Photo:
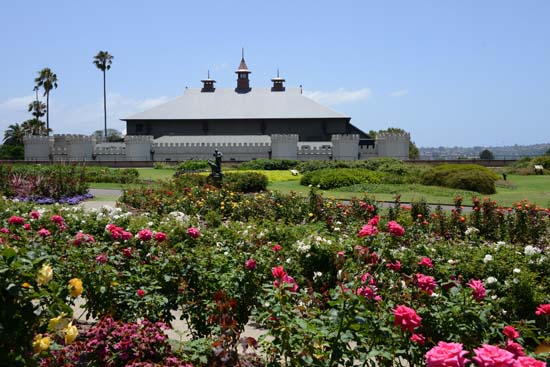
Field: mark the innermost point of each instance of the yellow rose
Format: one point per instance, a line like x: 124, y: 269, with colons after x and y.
x: 57, y: 323
x: 44, y: 275
x: 71, y: 332
x: 75, y: 287
x: 40, y: 343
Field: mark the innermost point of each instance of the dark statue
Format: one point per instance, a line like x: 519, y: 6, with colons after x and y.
x: 216, y: 167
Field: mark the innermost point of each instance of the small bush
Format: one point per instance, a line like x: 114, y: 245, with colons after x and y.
x: 327, y: 179
x: 462, y: 176
x: 113, y: 175
x: 269, y: 164
x: 247, y: 182
x: 193, y: 165
x: 543, y: 161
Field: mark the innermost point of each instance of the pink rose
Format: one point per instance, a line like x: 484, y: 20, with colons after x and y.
x: 193, y: 232
x: 250, y: 264
x: 101, y: 258
x: 278, y: 272
x: 510, y: 332
x: 478, y: 289
x: 426, y: 283
x: 291, y: 284
x: 374, y: 221
x: 514, y: 348
x: 4, y: 230
x: 43, y: 232
x: 57, y: 219
x: 34, y: 215
x: 406, y: 318
x: 426, y: 261
x: 396, y: 266
x: 127, y: 252
x: 446, y: 355
x: 83, y: 238
x: 140, y: 293
x: 543, y: 309
x: 493, y: 356
x: 395, y: 229
x: 528, y: 362
x: 368, y: 230
x: 369, y: 292
x: 27, y: 227
x: 16, y: 220
x: 126, y: 236
x: 418, y: 339
x: 341, y: 254
x: 145, y: 234
x: 276, y: 248
x: 160, y: 236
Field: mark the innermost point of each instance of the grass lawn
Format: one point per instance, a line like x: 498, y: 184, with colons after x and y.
x: 535, y: 189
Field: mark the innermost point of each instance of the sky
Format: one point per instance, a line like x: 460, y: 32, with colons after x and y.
x: 452, y: 73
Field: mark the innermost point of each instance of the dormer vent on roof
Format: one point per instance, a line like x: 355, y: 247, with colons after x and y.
x: 208, y: 84
x: 243, y: 83
x: 278, y: 85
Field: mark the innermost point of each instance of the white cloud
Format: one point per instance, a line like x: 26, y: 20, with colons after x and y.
x: 399, y: 93
x: 339, y: 96
x: 17, y: 103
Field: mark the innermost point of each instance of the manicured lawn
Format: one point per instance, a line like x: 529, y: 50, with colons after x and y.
x: 535, y: 189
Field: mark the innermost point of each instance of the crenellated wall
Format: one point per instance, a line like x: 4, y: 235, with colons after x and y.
x: 393, y: 145
x: 38, y: 148
x: 234, y: 148
x: 345, y: 147
x: 284, y: 146
x: 232, y: 151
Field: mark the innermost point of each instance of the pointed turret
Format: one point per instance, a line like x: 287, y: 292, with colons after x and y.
x: 243, y: 83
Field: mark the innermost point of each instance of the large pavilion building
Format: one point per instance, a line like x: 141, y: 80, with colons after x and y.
x: 243, y: 110
x: 243, y: 122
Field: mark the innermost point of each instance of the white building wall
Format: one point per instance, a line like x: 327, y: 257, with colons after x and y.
x: 345, y: 147
x: 138, y: 147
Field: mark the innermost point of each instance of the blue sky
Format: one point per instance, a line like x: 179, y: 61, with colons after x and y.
x: 451, y: 73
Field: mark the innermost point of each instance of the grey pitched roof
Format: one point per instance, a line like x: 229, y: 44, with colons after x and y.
x: 225, y: 103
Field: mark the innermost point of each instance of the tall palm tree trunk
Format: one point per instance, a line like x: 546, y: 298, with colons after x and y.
x: 105, y: 103
x: 48, y: 113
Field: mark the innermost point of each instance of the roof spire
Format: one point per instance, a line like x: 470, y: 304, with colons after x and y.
x: 243, y: 84
x: 278, y: 83
x: 208, y: 84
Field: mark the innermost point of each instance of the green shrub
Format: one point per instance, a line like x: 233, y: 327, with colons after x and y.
x: 193, y: 165
x: 332, y: 178
x: 462, y: 176
x: 113, y: 175
x: 12, y: 152
x: 245, y: 182
x: 543, y: 160
x: 269, y: 164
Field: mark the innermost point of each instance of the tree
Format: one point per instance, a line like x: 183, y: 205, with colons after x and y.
x: 547, y: 152
x: 47, y: 80
x: 103, y: 61
x: 37, y: 109
x: 14, y: 135
x: 35, y: 127
x: 486, y: 154
x: 112, y: 135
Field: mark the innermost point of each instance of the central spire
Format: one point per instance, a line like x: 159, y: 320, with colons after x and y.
x: 243, y: 83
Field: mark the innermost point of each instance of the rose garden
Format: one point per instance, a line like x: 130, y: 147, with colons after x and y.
x: 329, y: 282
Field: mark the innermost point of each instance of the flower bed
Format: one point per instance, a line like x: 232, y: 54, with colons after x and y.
x: 332, y: 283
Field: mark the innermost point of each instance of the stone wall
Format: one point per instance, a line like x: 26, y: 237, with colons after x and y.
x: 143, y: 148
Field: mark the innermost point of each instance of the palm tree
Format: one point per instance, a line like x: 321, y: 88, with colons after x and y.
x: 37, y: 109
x: 14, y: 135
x: 103, y: 61
x: 48, y: 80
x: 35, y: 127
